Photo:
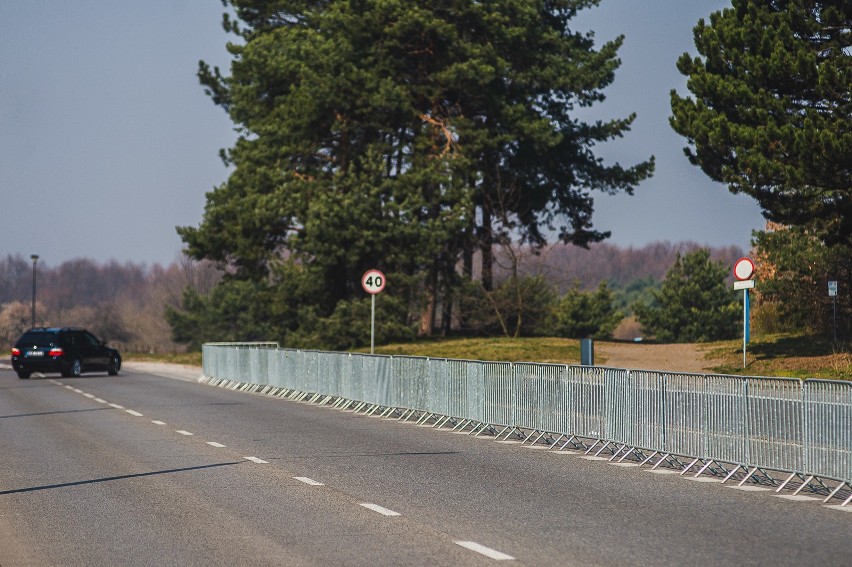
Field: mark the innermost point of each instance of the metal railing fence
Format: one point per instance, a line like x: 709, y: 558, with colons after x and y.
x: 802, y: 427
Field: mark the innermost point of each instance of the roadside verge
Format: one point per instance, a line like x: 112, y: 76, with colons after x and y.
x: 168, y: 370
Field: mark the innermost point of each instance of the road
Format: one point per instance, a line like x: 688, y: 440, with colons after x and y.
x: 140, y: 469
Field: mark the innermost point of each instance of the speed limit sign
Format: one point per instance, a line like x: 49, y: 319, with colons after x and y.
x: 373, y: 281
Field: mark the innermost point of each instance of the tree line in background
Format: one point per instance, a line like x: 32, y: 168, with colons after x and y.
x: 127, y: 303
x: 663, y: 291
x: 123, y: 303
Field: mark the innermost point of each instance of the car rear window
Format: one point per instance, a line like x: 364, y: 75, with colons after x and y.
x: 38, y: 338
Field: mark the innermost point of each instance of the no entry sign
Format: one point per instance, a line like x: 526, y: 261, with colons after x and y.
x: 743, y: 269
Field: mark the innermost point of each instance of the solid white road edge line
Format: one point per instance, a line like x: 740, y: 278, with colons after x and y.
x: 90, y: 396
x: 100, y: 401
x: 309, y: 481
x: 379, y: 509
x: 486, y: 551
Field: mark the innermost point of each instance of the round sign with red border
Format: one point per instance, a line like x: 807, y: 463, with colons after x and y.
x: 743, y: 269
x: 373, y: 281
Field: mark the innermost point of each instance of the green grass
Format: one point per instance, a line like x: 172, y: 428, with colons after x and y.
x: 785, y: 355
x: 491, y: 349
x: 190, y: 358
x: 795, y: 356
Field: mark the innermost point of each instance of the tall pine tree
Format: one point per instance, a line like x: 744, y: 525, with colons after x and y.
x: 694, y: 303
x: 771, y: 111
x: 404, y: 136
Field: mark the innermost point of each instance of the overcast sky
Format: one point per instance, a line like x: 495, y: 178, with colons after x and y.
x: 107, y: 141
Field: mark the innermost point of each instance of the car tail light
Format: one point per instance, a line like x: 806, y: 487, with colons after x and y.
x: 16, y: 351
x: 55, y: 351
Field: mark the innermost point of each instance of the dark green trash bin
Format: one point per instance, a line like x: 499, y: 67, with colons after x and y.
x: 587, y: 352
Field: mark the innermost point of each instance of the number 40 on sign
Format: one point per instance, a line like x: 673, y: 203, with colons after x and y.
x: 373, y: 281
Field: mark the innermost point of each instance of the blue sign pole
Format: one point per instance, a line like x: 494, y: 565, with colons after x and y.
x: 747, y: 316
x: 745, y: 324
x: 743, y: 271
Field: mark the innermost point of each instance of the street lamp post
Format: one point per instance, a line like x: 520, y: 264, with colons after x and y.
x: 34, y: 258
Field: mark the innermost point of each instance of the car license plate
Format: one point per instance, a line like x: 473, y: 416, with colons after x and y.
x: 35, y: 353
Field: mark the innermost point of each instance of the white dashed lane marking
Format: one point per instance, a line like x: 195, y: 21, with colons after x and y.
x: 309, y: 481
x: 158, y: 422
x: 486, y: 551
x: 379, y: 509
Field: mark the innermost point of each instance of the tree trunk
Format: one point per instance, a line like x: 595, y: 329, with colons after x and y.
x: 467, y: 253
x: 447, y: 300
x: 427, y: 313
x: 487, y: 248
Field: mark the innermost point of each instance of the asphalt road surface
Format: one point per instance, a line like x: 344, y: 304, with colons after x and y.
x: 140, y: 469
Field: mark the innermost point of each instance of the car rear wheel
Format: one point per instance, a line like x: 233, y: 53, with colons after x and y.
x: 76, y: 368
x: 23, y: 375
x: 114, y: 366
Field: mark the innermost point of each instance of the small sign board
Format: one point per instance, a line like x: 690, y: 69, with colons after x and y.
x: 832, y: 288
x: 745, y: 284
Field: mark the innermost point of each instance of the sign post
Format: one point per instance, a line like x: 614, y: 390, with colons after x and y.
x: 743, y: 271
x: 832, y: 292
x: 373, y: 282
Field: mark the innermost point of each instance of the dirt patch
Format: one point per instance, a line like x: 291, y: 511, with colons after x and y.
x: 645, y: 356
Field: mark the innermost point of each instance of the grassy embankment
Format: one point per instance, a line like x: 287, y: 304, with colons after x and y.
x: 794, y: 356
x: 777, y: 355
x: 189, y: 358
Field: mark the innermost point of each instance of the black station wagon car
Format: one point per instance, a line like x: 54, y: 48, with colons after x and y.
x: 67, y: 350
